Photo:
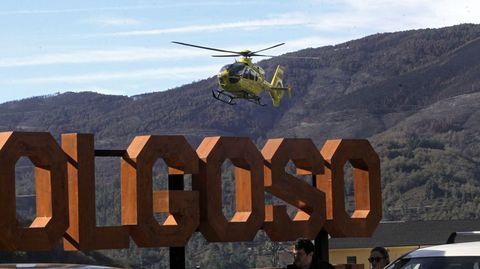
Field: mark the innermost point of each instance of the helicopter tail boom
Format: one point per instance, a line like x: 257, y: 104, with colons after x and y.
x: 276, y: 87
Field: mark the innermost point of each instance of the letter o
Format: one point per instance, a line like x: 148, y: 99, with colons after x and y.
x: 50, y: 163
x: 250, y: 212
x: 367, y: 189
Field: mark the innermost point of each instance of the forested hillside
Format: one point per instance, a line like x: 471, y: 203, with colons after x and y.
x: 414, y: 94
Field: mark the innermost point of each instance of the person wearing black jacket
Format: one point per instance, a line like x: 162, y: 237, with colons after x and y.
x: 303, y: 256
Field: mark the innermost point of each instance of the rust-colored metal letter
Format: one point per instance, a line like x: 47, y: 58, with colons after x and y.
x: 50, y: 163
x: 248, y: 162
x: 310, y: 218
x: 139, y: 202
x: 83, y: 234
x: 366, y: 185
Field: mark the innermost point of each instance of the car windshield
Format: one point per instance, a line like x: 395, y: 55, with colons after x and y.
x: 437, y: 263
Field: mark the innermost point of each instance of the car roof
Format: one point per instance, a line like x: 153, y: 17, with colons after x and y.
x: 448, y: 250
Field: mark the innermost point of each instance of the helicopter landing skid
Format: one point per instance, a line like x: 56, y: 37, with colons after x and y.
x: 229, y: 99
x: 224, y: 97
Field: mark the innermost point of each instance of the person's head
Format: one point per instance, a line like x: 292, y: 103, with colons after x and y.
x: 378, y: 257
x: 303, y: 253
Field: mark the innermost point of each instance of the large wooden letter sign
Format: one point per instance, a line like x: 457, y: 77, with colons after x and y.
x: 248, y: 162
x: 83, y: 233
x: 65, y: 190
x: 311, y: 217
x: 51, y: 188
x: 366, y: 186
x: 139, y: 202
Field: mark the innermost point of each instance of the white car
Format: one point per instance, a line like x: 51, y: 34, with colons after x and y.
x: 449, y: 256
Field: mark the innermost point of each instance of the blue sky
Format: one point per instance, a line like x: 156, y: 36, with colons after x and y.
x: 123, y: 47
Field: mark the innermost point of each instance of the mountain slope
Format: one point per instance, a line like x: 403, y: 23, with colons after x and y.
x: 431, y: 161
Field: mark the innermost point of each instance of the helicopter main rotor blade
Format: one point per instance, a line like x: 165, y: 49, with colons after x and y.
x: 262, y: 55
x: 269, y: 48
x: 299, y: 57
x: 249, y: 55
x: 227, y: 55
x: 202, y: 47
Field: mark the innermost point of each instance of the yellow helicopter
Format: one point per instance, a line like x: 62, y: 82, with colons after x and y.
x: 245, y: 80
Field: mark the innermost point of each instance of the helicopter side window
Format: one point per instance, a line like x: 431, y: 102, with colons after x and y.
x: 248, y: 74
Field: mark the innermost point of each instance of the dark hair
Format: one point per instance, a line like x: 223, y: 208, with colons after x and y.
x: 305, y: 244
x: 383, y: 251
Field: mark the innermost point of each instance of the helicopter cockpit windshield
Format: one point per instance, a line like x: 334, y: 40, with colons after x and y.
x: 225, y: 67
x: 233, y: 74
x: 236, y: 69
